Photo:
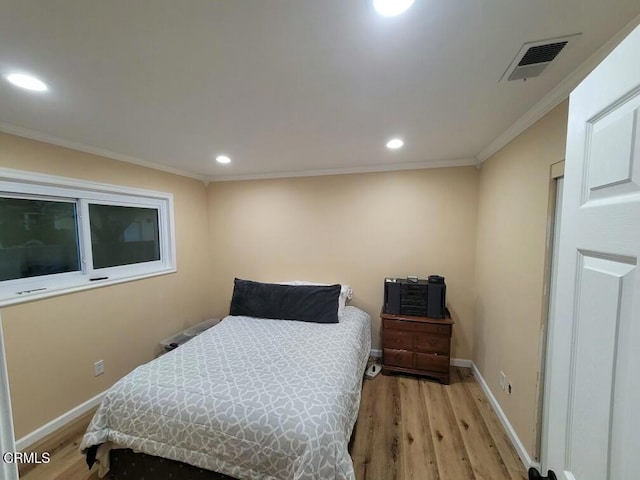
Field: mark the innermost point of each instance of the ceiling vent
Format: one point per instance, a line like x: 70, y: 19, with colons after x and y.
x: 534, y: 57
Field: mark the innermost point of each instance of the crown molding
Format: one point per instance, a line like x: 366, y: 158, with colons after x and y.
x: 559, y: 93
x: 461, y: 162
x: 42, y: 137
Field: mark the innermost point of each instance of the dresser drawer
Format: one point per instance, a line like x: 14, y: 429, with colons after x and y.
x: 432, y: 362
x: 398, y: 358
x: 398, y: 340
x: 432, y: 344
x: 417, y: 327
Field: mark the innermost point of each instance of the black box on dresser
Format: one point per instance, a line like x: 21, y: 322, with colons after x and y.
x: 412, y: 296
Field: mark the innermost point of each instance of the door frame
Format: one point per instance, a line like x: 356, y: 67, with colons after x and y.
x: 556, y: 173
x: 8, y: 471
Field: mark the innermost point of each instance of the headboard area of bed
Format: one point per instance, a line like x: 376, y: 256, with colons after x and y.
x: 307, y: 303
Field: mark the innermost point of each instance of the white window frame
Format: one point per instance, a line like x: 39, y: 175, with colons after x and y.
x: 29, y: 185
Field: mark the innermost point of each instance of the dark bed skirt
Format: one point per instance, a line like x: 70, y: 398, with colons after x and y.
x: 127, y: 465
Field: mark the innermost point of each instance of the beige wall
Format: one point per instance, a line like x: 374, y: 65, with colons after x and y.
x: 51, y: 344
x: 355, y: 229
x: 512, y: 229
x: 483, y: 231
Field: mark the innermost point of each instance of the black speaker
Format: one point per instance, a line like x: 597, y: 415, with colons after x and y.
x: 392, y: 297
x: 436, y: 298
x: 413, y: 298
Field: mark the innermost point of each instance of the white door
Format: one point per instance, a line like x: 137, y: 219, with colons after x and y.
x: 592, y: 392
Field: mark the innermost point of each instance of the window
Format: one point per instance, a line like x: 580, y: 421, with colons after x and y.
x: 123, y: 235
x: 59, y: 235
x: 37, y: 237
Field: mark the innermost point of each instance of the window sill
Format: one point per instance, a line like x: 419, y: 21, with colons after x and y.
x: 54, y: 292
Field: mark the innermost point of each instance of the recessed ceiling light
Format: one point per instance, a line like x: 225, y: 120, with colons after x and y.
x: 391, y: 8
x: 223, y: 159
x: 27, y: 82
x: 395, y: 143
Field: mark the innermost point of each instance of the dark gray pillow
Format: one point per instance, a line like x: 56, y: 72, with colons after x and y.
x: 307, y: 303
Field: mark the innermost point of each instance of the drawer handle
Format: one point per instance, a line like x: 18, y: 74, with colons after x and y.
x: 435, y: 354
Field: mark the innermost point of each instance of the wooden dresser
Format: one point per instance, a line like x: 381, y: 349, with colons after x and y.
x: 417, y: 345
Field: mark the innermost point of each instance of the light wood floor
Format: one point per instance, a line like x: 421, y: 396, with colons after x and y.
x: 66, y: 462
x: 418, y: 429
x: 407, y: 429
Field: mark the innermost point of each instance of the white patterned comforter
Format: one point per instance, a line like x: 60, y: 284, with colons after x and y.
x: 250, y: 398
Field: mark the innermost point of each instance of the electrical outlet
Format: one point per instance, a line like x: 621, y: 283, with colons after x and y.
x: 509, y: 389
x: 503, y: 380
x: 98, y: 368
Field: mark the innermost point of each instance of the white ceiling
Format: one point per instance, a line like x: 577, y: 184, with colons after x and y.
x: 288, y: 87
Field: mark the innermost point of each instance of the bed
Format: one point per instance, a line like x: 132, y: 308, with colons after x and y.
x: 251, y: 398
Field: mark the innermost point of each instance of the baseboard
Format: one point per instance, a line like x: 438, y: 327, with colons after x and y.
x: 461, y: 362
x: 25, y: 442
x: 376, y: 353
x: 527, y: 461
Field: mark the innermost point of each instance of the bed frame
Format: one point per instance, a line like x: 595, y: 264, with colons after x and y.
x: 125, y: 465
